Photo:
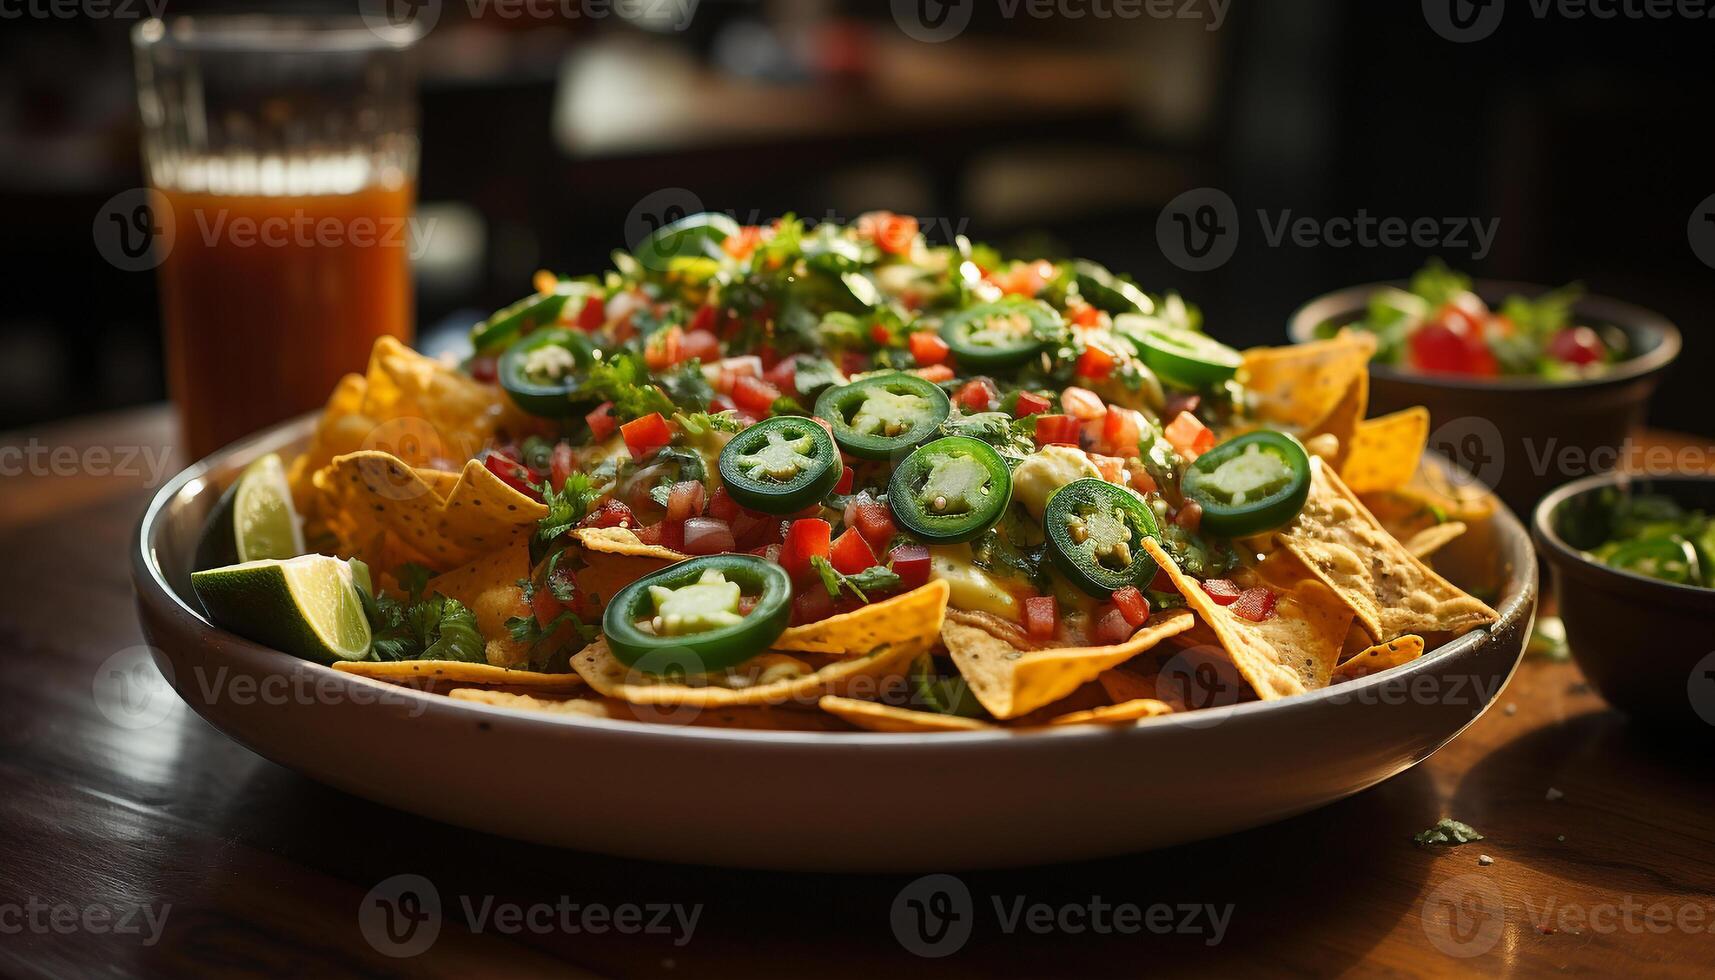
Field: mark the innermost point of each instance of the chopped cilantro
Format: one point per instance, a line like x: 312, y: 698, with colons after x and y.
x: 436, y: 628
x: 566, y: 506
x: 872, y: 579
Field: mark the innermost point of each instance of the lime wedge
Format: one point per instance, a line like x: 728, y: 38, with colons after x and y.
x: 308, y: 606
x: 253, y: 520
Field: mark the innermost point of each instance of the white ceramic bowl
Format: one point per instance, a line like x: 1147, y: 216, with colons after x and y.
x: 832, y: 801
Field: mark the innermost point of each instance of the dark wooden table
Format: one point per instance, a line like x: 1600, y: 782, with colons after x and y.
x: 170, y: 850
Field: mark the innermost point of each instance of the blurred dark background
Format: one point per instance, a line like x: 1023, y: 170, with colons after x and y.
x: 1587, y: 138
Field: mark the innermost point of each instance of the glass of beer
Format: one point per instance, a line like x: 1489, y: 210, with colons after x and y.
x: 281, y: 156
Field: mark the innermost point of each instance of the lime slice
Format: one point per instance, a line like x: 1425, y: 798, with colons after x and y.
x: 253, y: 520
x: 308, y: 606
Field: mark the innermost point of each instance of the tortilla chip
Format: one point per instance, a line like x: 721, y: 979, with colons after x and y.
x: 1381, y: 657
x: 1010, y: 682
x: 910, y: 618
x: 480, y: 515
x: 1347, y: 416
x: 1133, y: 710
x: 604, y: 672
x: 622, y: 541
x: 879, y: 717
x: 1432, y: 539
x: 1390, y: 590
x: 526, y: 702
x: 1386, y: 451
x: 1289, y: 653
x: 488, y: 587
x: 1126, y: 685
x: 1301, y: 385
x: 611, y: 558
x: 426, y: 671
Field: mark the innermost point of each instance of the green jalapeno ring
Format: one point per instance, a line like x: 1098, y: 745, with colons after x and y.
x: 1185, y: 356
x: 894, y: 393
x: 696, y: 235
x: 710, y: 650
x: 969, y: 481
x: 530, y: 313
x: 965, y: 332
x: 1668, y: 559
x: 1091, y: 522
x: 754, y: 465
x: 551, y: 399
x: 1249, y: 484
x: 1107, y: 292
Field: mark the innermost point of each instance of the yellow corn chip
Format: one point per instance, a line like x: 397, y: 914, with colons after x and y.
x: 1432, y: 539
x: 1133, y: 710
x: 488, y: 586
x: 1301, y: 385
x: 526, y: 702
x: 480, y: 515
x: 438, y: 671
x: 1390, y: 590
x: 1386, y: 451
x: 1010, y: 682
x: 611, y: 558
x: 911, y: 618
x: 1381, y: 657
x: 879, y: 717
x: 767, y: 679
x: 1289, y: 653
x: 1346, y: 418
x: 621, y: 541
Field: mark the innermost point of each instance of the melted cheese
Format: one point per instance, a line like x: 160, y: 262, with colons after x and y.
x: 969, y: 587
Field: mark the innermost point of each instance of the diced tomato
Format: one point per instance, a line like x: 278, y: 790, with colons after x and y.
x: 880, y: 335
x: 685, y: 500
x: 609, y: 513
x: 594, y: 313
x: 1030, y: 403
x: 722, y: 505
x: 649, y: 533
x: 1111, y: 627
x: 1082, y: 404
x: 1190, y: 516
x: 892, y: 233
x: 784, y: 374
x: 875, y: 523
x: 666, y: 348
x: 754, y: 395
x: 742, y: 244
x: 1452, y: 342
x: 645, y: 435
x: 1222, y: 590
x: 975, y: 395
x: 545, y: 606
x: 911, y: 563
x: 1576, y: 345
x: 1095, y: 363
x: 847, y: 477
x: 1112, y: 468
x: 704, y: 319
x: 853, y: 362
x: 1122, y: 430
x: 768, y: 356
x: 1041, y: 617
x: 511, y: 472
x: 1051, y: 429
x: 1255, y: 605
x: 1141, y: 481
x: 707, y: 536
x: 851, y: 554
x: 485, y: 368
x: 666, y: 534
x: 700, y: 345
x: 811, y: 604
x: 1131, y: 603
x: 601, y: 421
x: 1083, y: 314
x: 928, y: 347
x: 805, y: 539
x: 1024, y: 278
x: 1189, y: 436
x: 935, y: 373
x: 752, y: 530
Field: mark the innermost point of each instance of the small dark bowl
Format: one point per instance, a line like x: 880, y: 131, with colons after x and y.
x: 1648, y: 646
x: 1523, y: 436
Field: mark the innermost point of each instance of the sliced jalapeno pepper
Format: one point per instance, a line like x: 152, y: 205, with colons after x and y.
x: 538, y: 370
x: 877, y: 417
x: 1671, y: 559
x: 950, y: 490
x: 687, y: 618
x: 1107, y: 292
x: 529, y: 313
x: 1249, y: 484
x: 945, y: 695
x: 1095, y: 532
x: 992, y: 336
x: 1188, y: 357
x: 693, y: 236
x: 780, y: 465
